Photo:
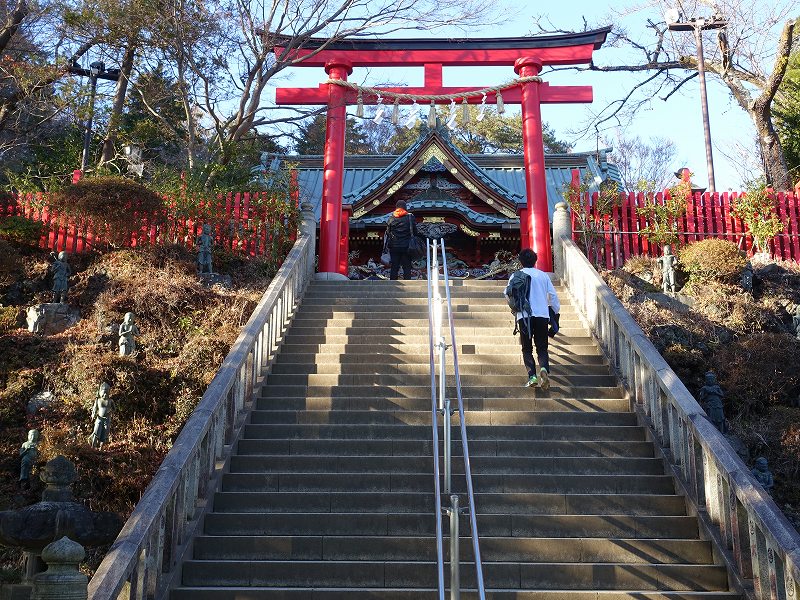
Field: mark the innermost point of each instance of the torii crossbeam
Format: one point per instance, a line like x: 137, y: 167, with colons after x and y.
x: 527, y: 55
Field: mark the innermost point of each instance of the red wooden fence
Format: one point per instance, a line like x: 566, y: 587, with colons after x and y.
x: 616, y: 236
x: 244, y: 223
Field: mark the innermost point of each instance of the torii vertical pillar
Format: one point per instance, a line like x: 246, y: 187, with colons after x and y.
x: 538, y: 214
x: 344, y: 244
x: 330, y: 225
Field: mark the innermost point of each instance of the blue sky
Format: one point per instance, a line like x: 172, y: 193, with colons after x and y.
x: 679, y: 118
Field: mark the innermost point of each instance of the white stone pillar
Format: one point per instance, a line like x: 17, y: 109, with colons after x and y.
x: 562, y: 228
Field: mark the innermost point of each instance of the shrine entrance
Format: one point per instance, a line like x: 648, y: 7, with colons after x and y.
x: 527, y: 56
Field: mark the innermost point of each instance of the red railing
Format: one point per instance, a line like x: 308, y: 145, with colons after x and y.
x: 242, y: 222
x: 615, y: 238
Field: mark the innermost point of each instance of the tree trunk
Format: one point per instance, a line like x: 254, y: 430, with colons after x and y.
x: 775, y: 167
x: 126, y: 68
x: 13, y: 22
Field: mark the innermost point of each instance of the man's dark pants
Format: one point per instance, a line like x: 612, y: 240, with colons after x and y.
x: 400, y: 258
x: 539, y: 339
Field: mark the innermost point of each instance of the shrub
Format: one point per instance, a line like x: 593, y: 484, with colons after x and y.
x: 114, y: 205
x: 21, y: 230
x: 756, y: 210
x: 662, y: 218
x: 712, y: 259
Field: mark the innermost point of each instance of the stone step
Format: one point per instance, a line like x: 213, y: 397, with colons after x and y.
x: 574, y: 433
x: 408, y: 417
x: 375, y: 380
x: 419, y: 502
x: 556, y: 390
x: 307, y: 593
x: 359, y: 369
x: 410, y: 283
x: 521, y: 448
x: 496, y: 349
x: 628, y: 551
x: 423, y: 524
x: 511, y: 356
x: 462, y: 309
x: 481, y: 465
x: 391, y: 340
x: 559, y: 483
x: 410, y: 332
x: 388, y: 302
x: 510, y: 575
x: 600, y: 405
x: 494, y: 321
x: 494, y: 294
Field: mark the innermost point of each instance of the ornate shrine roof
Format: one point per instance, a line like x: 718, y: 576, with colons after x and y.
x: 502, y: 176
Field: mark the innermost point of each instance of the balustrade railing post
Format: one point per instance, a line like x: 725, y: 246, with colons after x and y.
x: 455, y: 576
x: 448, y: 447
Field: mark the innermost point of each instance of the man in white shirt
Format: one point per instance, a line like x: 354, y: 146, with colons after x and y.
x: 533, y: 328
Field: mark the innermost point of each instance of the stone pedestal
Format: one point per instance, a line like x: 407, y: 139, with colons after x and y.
x: 62, y: 580
x: 51, y: 318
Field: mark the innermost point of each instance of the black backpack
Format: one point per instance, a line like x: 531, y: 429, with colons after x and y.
x: 519, y: 293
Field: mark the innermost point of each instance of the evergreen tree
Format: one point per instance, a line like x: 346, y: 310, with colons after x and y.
x: 310, y: 137
x: 787, y: 116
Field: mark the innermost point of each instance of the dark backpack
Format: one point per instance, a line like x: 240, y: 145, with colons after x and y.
x: 519, y: 293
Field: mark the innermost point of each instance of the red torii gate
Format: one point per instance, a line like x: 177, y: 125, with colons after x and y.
x: 526, y: 54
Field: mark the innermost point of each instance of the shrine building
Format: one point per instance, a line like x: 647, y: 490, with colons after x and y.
x: 482, y: 194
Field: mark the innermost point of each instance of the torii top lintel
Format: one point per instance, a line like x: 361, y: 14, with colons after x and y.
x: 562, y: 49
x: 433, y: 54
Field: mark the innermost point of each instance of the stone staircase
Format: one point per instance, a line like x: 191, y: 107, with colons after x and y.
x: 330, y: 494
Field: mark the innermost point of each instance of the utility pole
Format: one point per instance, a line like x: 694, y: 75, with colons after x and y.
x: 675, y: 22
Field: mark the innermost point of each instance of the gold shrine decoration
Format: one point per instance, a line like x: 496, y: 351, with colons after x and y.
x: 433, y: 151
x: 433, y: 219
x: 469, y: 232
x: 395, y: 187
x: 359, y: 213
x: 373, y: 235
x: 471, y: 187
x: 494, y: 235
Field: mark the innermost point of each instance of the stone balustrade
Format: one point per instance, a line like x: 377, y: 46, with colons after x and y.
x: 143, y: 559
x: 761, y: 547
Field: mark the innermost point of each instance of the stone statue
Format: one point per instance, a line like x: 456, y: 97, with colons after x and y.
x: 29, y: 453
x: 747, y: 277
x: 713, y: 397
x: 127, y: 335
x: 796, y: 321
x: 101, y: 415
x: 61, y: 272
x: 205, y: 243
x: 667, y: 263
x: 762, y: 473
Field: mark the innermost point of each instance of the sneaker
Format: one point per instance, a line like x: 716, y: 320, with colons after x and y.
x: 544, y: 379
x: 533, y: 381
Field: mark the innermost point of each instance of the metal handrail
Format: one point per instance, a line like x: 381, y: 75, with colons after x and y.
x: 435, y: 326
x: 465, y: 446
x: 435, y: 435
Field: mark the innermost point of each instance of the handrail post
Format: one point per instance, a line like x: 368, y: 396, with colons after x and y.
x: 455, y: 581
x: 438, y: 316
x: 448, y: 448
x: 435, y: 430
